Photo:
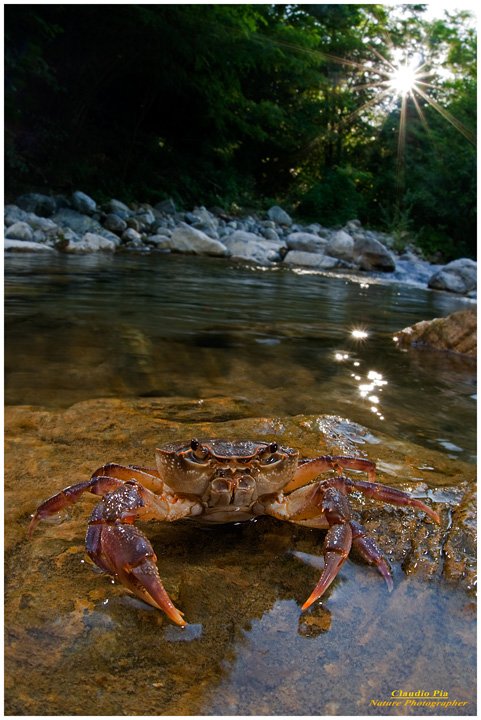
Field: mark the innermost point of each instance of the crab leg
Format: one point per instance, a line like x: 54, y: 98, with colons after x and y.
x: 337, y: 544
x: 384, y: 493
x: 370, y: 552
x: 104, y: 480
x: 310, y: 469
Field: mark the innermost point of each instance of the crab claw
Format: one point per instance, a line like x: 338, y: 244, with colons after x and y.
x: 123, y: 550
x: 336, y: 549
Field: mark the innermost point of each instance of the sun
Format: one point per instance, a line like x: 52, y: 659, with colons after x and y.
x: 404, y: 78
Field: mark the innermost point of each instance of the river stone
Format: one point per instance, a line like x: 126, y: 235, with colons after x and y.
x: 456, y: 332
x: 76, y: 221
x: 161, y: 242
x: 203, y: 220
x: 19, y: 231
x: 316, y: 261
x: 42, y: 205
x: 115, y: 223
x: 13, y: 214
x: 341, y: 245
x: 83, y: 203
x: 255, y: 248
x: 307, y: 242
x: 132, y: 236
x: 118, y: 208
x: 187, y: 239
x: 166, y: 206
x: 12, y: 245
x: 90, y: 243
x: 270, y: 234
x: 370, y: 254
x: 279, y: 216
x: 458, y: 276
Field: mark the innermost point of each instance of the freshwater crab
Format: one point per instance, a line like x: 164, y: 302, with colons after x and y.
x: 224, y: 481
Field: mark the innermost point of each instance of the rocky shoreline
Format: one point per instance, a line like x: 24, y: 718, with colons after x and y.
x: 77, y: 225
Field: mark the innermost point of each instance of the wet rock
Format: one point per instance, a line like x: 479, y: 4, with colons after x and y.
x: 458, y: 276
x: 305, y: 241
x: 370, y: 254
x: 36, y: 203
x: 317, y: 261
x: 456, y: 332
x: 90, y: 243
x: 279, y: 216
x: 83, y: 203
x: 460, y: 547
x: 25, y: 246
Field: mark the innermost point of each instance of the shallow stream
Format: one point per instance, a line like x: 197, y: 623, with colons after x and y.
x: 107, y: 357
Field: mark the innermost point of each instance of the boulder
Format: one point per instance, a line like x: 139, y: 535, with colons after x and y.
x: 42, y: 205
x: 307, y: 242
x: 187, y: 239
x: 309, y: 259
x: 115, y: 223
x: 132, y: 237
x: 279, y: 216
x: 370, y: 254
x: 13, y: 214
x: 458, y: 276
x: 11, y: 245
x: 76, y: 221
x: 83, y: 203
x: 255, y: 248
x: 118, y: 208
x: 90, y: 243
x: 456, y: 332
x: 19, y: 231
x: 341, y: 245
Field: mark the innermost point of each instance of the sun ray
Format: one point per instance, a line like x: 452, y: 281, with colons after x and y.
x: 470, y: 136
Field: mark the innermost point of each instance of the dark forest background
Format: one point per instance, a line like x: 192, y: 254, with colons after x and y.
x: 241, y: 106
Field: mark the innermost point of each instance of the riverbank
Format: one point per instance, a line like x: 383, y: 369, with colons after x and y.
x: 77, y: 225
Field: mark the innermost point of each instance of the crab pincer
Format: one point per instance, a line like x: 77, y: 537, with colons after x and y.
x: 123, y: 550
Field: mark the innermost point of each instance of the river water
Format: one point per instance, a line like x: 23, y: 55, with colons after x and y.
x: 107, y: 356
x: 280, y: 342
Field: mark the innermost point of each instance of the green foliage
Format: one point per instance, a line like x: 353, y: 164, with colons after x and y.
x: 336, y: 198
x: 229, y: 104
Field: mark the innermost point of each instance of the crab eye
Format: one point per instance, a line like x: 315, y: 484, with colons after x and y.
x: 270, y: 460
x: 269, y: 456
x: 199, y: 453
